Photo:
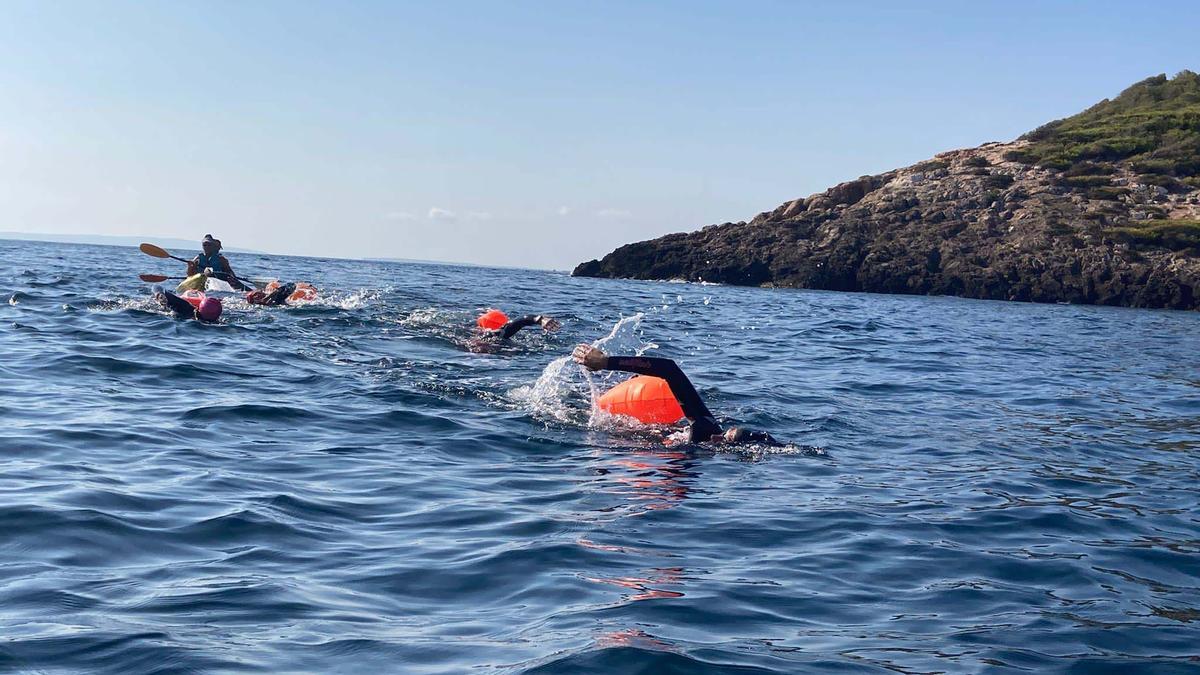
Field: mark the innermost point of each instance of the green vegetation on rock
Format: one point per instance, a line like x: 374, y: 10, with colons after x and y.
x: 1175, y: 235
x: 1155, y: 125
x: 1110, y: 217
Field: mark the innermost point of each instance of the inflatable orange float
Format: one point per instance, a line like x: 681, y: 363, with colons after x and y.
x: 645, y: 398
x: 493, y: 319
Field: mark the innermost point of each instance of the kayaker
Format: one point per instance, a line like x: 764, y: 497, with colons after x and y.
x: 209, y: 310
x: 210, y: 258
x: 702, y: 426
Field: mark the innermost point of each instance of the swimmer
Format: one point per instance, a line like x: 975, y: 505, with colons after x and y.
x: 498, y: 325
x: 208, y: 311
x: 702, y: 426
x: 276, y: 296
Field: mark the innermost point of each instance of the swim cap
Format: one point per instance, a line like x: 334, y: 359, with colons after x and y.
x: 493, y: 319
x: 209, y: 309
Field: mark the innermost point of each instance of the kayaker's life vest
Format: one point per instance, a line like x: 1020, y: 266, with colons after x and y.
x: 206, y: 261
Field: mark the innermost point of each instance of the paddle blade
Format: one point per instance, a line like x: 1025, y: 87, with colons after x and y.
x: 155, y: 251
x: 152, y: 278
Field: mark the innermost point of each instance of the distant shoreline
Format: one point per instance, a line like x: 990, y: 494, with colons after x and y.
x: 112, y: 240
x: 171, y: 243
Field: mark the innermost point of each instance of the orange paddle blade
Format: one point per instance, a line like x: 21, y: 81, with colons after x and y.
x: 155, y: 251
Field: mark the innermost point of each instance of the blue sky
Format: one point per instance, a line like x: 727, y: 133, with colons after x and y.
x: 519, y: 133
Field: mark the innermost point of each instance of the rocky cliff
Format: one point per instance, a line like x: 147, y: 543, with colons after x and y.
x: 1099, y: 208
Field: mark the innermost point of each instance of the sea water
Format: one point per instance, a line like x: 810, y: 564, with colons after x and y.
x: 359, y: 484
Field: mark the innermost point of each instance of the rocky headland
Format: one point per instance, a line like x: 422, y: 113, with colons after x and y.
x: 1099, y: 208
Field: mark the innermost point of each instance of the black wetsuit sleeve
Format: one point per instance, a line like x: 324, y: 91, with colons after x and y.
x: 510, y: 329
x: 280, y: 295
x: 178, y: 306
x: 704, y: 425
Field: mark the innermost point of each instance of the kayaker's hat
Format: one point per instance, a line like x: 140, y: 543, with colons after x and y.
x: 208, y: 239
x: 209, y: 309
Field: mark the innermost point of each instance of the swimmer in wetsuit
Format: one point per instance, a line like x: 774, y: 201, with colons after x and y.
x: 496, y: 324
x: 279, y: 296
x: 702, y: 426
x: 497, y: 328
x: 512, y: 327
x: 208, y: 311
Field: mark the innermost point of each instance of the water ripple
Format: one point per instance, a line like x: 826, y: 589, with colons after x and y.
x: 362, y: 482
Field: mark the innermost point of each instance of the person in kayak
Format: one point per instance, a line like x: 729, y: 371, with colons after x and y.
x: 702, y: 426
x: 209, y: 310
x: 210, y: 258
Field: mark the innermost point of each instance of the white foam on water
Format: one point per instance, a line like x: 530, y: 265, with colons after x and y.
x: 566, y: 392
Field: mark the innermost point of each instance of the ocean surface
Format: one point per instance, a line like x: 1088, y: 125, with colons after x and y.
x: 360, y: 484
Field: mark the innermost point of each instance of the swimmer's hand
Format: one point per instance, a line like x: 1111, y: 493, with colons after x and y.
x: 590, y: 357
x: 549, y: 323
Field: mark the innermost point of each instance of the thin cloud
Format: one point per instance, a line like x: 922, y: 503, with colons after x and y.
x: 613, y: 213
x: 564, y: 210
x: 441, y: 214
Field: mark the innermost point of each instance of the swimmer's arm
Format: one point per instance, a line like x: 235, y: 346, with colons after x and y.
x: 178, y: 306
x: 510, y: 329
x: 280, y: 295
x: 686, y: 394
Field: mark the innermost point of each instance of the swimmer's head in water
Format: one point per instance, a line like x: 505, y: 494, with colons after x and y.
x: 740, y: 435
x: 209, y: 309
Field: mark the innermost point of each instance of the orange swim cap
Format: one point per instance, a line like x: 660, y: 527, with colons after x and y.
x: 493, y: 319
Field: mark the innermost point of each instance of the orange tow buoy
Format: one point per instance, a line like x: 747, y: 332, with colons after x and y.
x: 304, y: 292
x: 493, y: 319
x: 194, y: 297
x: 645, y: 398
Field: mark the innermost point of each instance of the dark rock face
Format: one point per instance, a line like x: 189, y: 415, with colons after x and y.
x: 1099, y: 208
x: 969, y: 223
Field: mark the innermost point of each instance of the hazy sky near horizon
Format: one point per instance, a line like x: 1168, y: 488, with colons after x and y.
x: 519, y: 133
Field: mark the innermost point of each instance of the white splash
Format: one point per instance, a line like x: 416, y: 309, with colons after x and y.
x: 566, y: 392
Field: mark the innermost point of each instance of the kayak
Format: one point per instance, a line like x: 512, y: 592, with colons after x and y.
x: 214, y: 285
x: 199, y: 282
x: 196, y: 282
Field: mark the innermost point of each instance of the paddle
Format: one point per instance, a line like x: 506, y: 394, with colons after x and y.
x: 260, y: 284
x: 160, y: 252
